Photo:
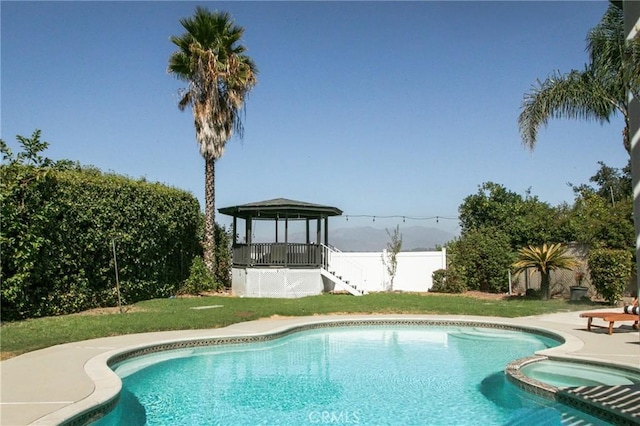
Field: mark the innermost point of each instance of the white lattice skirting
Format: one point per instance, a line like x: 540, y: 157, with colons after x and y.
x: 276, y: 282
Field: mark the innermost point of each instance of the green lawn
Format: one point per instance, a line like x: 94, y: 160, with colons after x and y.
x: 175, y: 314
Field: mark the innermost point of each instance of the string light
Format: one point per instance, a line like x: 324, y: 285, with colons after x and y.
x: 404, y: 218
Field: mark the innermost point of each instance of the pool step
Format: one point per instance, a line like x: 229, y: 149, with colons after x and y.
x: 546, y: 416
x: 619, y: 405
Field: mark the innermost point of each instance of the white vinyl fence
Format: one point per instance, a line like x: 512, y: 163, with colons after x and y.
x: 413, y: 273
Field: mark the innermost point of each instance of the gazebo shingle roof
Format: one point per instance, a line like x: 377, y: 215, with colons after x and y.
x: 281, y: 208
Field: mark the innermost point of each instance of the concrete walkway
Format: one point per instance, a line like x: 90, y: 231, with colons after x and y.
x: 51, y: 385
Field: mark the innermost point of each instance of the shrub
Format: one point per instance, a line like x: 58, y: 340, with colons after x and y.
x: 199, y: 280
x: 610, y: 271
x: 224, y: 258
x: 447, y: 281
x: 483, y: 258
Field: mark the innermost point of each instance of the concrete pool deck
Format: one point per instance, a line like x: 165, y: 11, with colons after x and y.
x: 49, y: 386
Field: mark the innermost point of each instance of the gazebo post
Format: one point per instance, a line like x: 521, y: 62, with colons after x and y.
x: 286, y: 230
x: 308, y: 241
x: 318, y: 232
x: 326, y: 231
x: 247, y: 229
x: 286, y: 241
x: 235, y: 223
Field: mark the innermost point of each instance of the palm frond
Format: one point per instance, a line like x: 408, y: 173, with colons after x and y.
x: 211, y: 60
x: 573, y: 95
x: 605, y: 41
x: 608, y: 54
x: 597, y: 93
x: 544, y: 258
x: 632, y: 58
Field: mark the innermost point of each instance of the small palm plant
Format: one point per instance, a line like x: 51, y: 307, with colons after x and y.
x: 544, y: 259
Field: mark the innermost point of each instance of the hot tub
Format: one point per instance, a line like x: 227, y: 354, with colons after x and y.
x: 572, y: 374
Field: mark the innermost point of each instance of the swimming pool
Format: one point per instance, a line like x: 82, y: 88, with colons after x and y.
x: 384, y: 374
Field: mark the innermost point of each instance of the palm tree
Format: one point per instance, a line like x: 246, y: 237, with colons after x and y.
x: 596, y: 93
x: 211, y: 60
x: 544, y: 259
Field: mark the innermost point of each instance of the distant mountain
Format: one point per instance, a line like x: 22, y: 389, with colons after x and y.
x: 367, y: 238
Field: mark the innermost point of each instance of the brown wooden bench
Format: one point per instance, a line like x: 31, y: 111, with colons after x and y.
x: 610, y: 317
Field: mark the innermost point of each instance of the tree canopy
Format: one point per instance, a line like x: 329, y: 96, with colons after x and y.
x: 523, y: 219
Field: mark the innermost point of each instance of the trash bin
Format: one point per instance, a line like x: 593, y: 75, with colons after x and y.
x: 578, y: 292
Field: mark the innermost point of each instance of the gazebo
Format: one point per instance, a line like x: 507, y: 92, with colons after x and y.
x: 283, y: 268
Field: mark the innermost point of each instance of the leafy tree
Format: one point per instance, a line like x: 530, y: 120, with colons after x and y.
x: 602, y: 224
x: 493, y: 204
x: 565, y: 222
x: 482, y: 258
x: 612, y: 184
x: 602, y: 215
x: 544, y: 259
x: 211, y: 60
x: 524, y: 220
x: 596, y: 93
x: 31, y: 149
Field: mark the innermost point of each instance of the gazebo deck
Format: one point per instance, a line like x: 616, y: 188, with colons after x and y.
x: 289, y: 255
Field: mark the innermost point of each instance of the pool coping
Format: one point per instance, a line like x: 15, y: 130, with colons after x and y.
x: 107, y: 385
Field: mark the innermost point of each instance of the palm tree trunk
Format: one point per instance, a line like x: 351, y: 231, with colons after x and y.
x: 545, y: 288
x: 626, y: 138
x: 209, y: 244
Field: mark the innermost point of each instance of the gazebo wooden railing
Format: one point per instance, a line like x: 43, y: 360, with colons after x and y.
x: 291, y: 255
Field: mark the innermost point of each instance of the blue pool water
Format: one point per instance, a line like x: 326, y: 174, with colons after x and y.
x: 387, y: 375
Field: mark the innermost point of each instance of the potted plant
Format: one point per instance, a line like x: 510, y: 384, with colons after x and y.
x: 578, y: 291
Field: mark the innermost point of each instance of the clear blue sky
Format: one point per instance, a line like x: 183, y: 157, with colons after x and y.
x: 378, y: 108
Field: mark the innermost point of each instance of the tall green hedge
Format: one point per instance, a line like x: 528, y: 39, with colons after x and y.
x: 58, y: 228
x: 610, y: 271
